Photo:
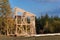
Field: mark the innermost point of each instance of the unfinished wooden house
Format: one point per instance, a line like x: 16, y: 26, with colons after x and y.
x: 24, y: 23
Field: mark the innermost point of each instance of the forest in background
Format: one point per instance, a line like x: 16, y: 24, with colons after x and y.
x: 46, y: 24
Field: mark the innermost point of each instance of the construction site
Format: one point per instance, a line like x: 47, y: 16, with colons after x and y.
x: 23, y: 27
x: 24, y: 24
x: 19, y: 24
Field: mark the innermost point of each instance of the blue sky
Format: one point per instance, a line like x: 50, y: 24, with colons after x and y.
x: 38, y: 7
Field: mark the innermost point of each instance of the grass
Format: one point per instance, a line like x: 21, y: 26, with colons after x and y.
x: 30, y: 38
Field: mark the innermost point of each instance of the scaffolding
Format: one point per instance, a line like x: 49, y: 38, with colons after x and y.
x: 24, y: 23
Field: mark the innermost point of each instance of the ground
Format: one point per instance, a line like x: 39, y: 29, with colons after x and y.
x: 30, y: 38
